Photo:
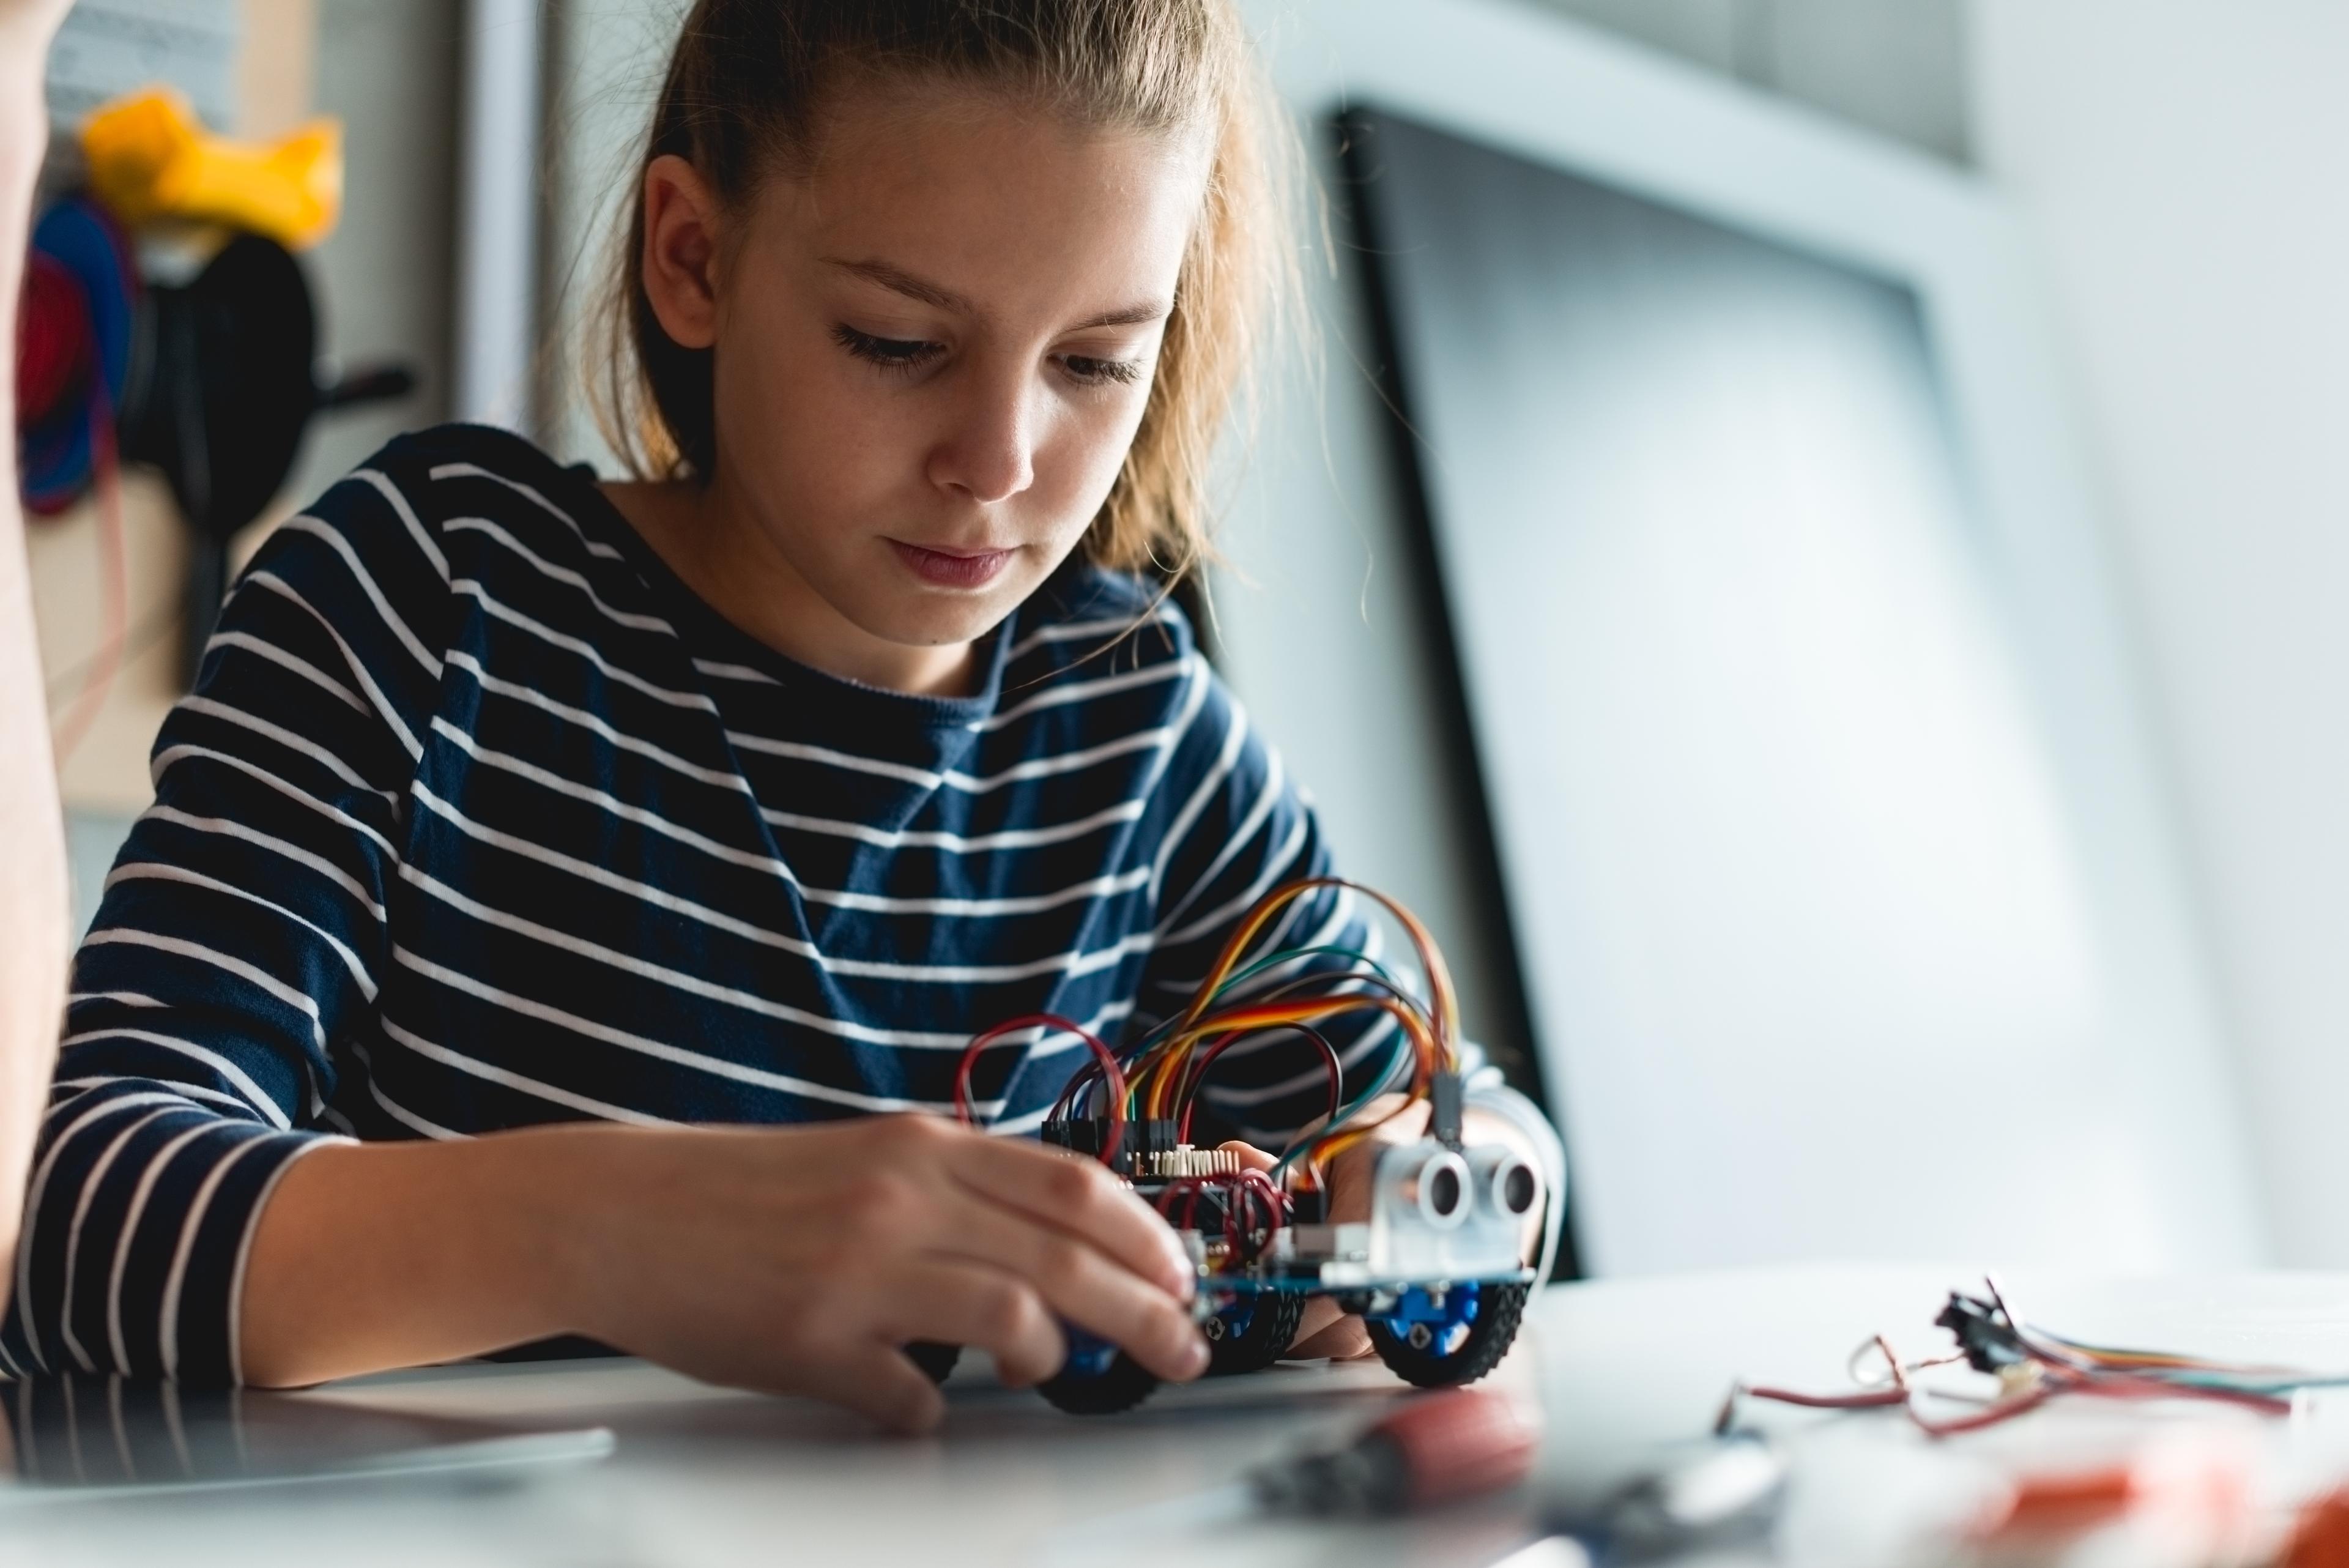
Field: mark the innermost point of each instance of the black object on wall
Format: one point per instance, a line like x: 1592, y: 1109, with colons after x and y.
x: 1356, y: 140
x: 227, y: 392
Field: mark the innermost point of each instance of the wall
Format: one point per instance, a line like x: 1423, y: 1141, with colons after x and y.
x: 249, y: 59
x: 605, y: 71
x: 1324, y: 630
x: 388, y: 67
x: 1893, y: 65
x: 2184, y: 163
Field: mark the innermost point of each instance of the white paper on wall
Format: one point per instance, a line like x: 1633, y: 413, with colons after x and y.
x: 108, y: 47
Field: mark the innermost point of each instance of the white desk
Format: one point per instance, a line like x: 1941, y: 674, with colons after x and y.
x: 706, y: 1477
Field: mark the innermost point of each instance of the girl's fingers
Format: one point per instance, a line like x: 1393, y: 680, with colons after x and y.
x: 960, y: 1301
x: 1251, y: 1157
x: 1074, y: 1283
x: 1081, y: 1198
x: 878, y: 1383
x: 1320, y: 1312
x: 1341, y: 1338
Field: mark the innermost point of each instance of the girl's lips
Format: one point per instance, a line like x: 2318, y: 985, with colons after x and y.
x: 951, y: 569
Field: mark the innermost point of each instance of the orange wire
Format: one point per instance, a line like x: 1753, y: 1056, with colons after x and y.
x: 1168, y: 1070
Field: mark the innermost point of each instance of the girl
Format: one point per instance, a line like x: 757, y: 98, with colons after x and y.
x: 746, y: 793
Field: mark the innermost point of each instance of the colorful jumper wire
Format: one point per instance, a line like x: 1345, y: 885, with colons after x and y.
x: 1159, y: 1076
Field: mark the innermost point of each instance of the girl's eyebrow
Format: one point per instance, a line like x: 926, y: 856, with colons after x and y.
x: 1132, y: 315
x: 899, y: 281
x: 903, y: 282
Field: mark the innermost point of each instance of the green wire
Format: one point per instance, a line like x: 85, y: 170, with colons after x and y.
x: 1365, y: 959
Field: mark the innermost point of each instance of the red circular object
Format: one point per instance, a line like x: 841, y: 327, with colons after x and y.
x: 1463, y: 1443
x: 56, y: 348
x: 2321, y: 1539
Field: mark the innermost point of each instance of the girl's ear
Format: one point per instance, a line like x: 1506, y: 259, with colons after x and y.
x: 680, y: 259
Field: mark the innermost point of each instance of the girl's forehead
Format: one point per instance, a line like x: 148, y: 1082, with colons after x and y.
x: 995, y: 187
x: 904, y: 126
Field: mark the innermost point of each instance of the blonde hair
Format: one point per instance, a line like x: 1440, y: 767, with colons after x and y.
x: 742, y: 100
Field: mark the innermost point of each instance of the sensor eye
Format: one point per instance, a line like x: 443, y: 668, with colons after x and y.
x: 1517, y: 1190
x: 1433, y: 1187
x: 1444, y: 1192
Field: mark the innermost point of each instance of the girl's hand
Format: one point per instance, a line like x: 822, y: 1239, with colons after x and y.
x: 799, y: 1260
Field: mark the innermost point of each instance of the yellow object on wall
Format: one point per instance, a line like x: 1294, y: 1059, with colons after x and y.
x: 150, y: 157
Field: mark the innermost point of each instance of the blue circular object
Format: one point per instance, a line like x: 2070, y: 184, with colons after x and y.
x: 58, y: 454
x: 1443, y: 1327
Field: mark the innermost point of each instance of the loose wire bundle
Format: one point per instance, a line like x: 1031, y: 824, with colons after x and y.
x: 2034, y: 1366
x: 1247, y: 1195
x: 1159, y: 1077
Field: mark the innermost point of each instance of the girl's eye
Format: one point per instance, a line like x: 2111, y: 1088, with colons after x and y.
x: 1101, y: 372
x: 889, y: 353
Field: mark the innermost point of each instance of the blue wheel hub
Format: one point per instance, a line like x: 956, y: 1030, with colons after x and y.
x: 1087, y: 1357
x: 1232, y: 1319
x: 1427, y: 1322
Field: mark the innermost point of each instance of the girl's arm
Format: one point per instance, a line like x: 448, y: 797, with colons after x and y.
x: 243, y: 930
x: 33, y: 918
x: 792, y: 1260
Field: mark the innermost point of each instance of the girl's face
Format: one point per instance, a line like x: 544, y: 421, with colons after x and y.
x: 931, y: 353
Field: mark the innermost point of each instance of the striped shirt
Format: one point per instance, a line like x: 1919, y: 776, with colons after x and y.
x: 479, y: 818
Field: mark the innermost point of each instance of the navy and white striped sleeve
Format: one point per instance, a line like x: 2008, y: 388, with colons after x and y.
x: 242, y: 936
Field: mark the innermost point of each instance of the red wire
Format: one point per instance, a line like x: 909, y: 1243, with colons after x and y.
x: 1259, y: 1182
x: 1871, y: 1399
x: 1244, y: 1193
x: 2058, y: 1380
x: 2005, y: 1410
x: 1188, y: 1186
x: 1257, y: 1188
x: 1114, y: 1074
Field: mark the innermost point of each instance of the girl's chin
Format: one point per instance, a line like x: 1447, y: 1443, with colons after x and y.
x: 917, y: 615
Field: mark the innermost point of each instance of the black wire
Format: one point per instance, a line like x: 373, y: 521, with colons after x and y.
x: 1192, y: 1090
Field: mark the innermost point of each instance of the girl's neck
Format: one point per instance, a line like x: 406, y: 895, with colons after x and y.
x: 709, y: 538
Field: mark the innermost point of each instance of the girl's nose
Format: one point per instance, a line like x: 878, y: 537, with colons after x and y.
x: 989, y: 455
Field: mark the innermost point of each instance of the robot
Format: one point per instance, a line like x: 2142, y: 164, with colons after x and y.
x: 1436, y: 1271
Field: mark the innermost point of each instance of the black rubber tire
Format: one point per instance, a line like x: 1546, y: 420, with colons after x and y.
x: 1264, y: 1340
x: 1499, y: 1309
x: 937, y: 1360
x: 1125, y: 1384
